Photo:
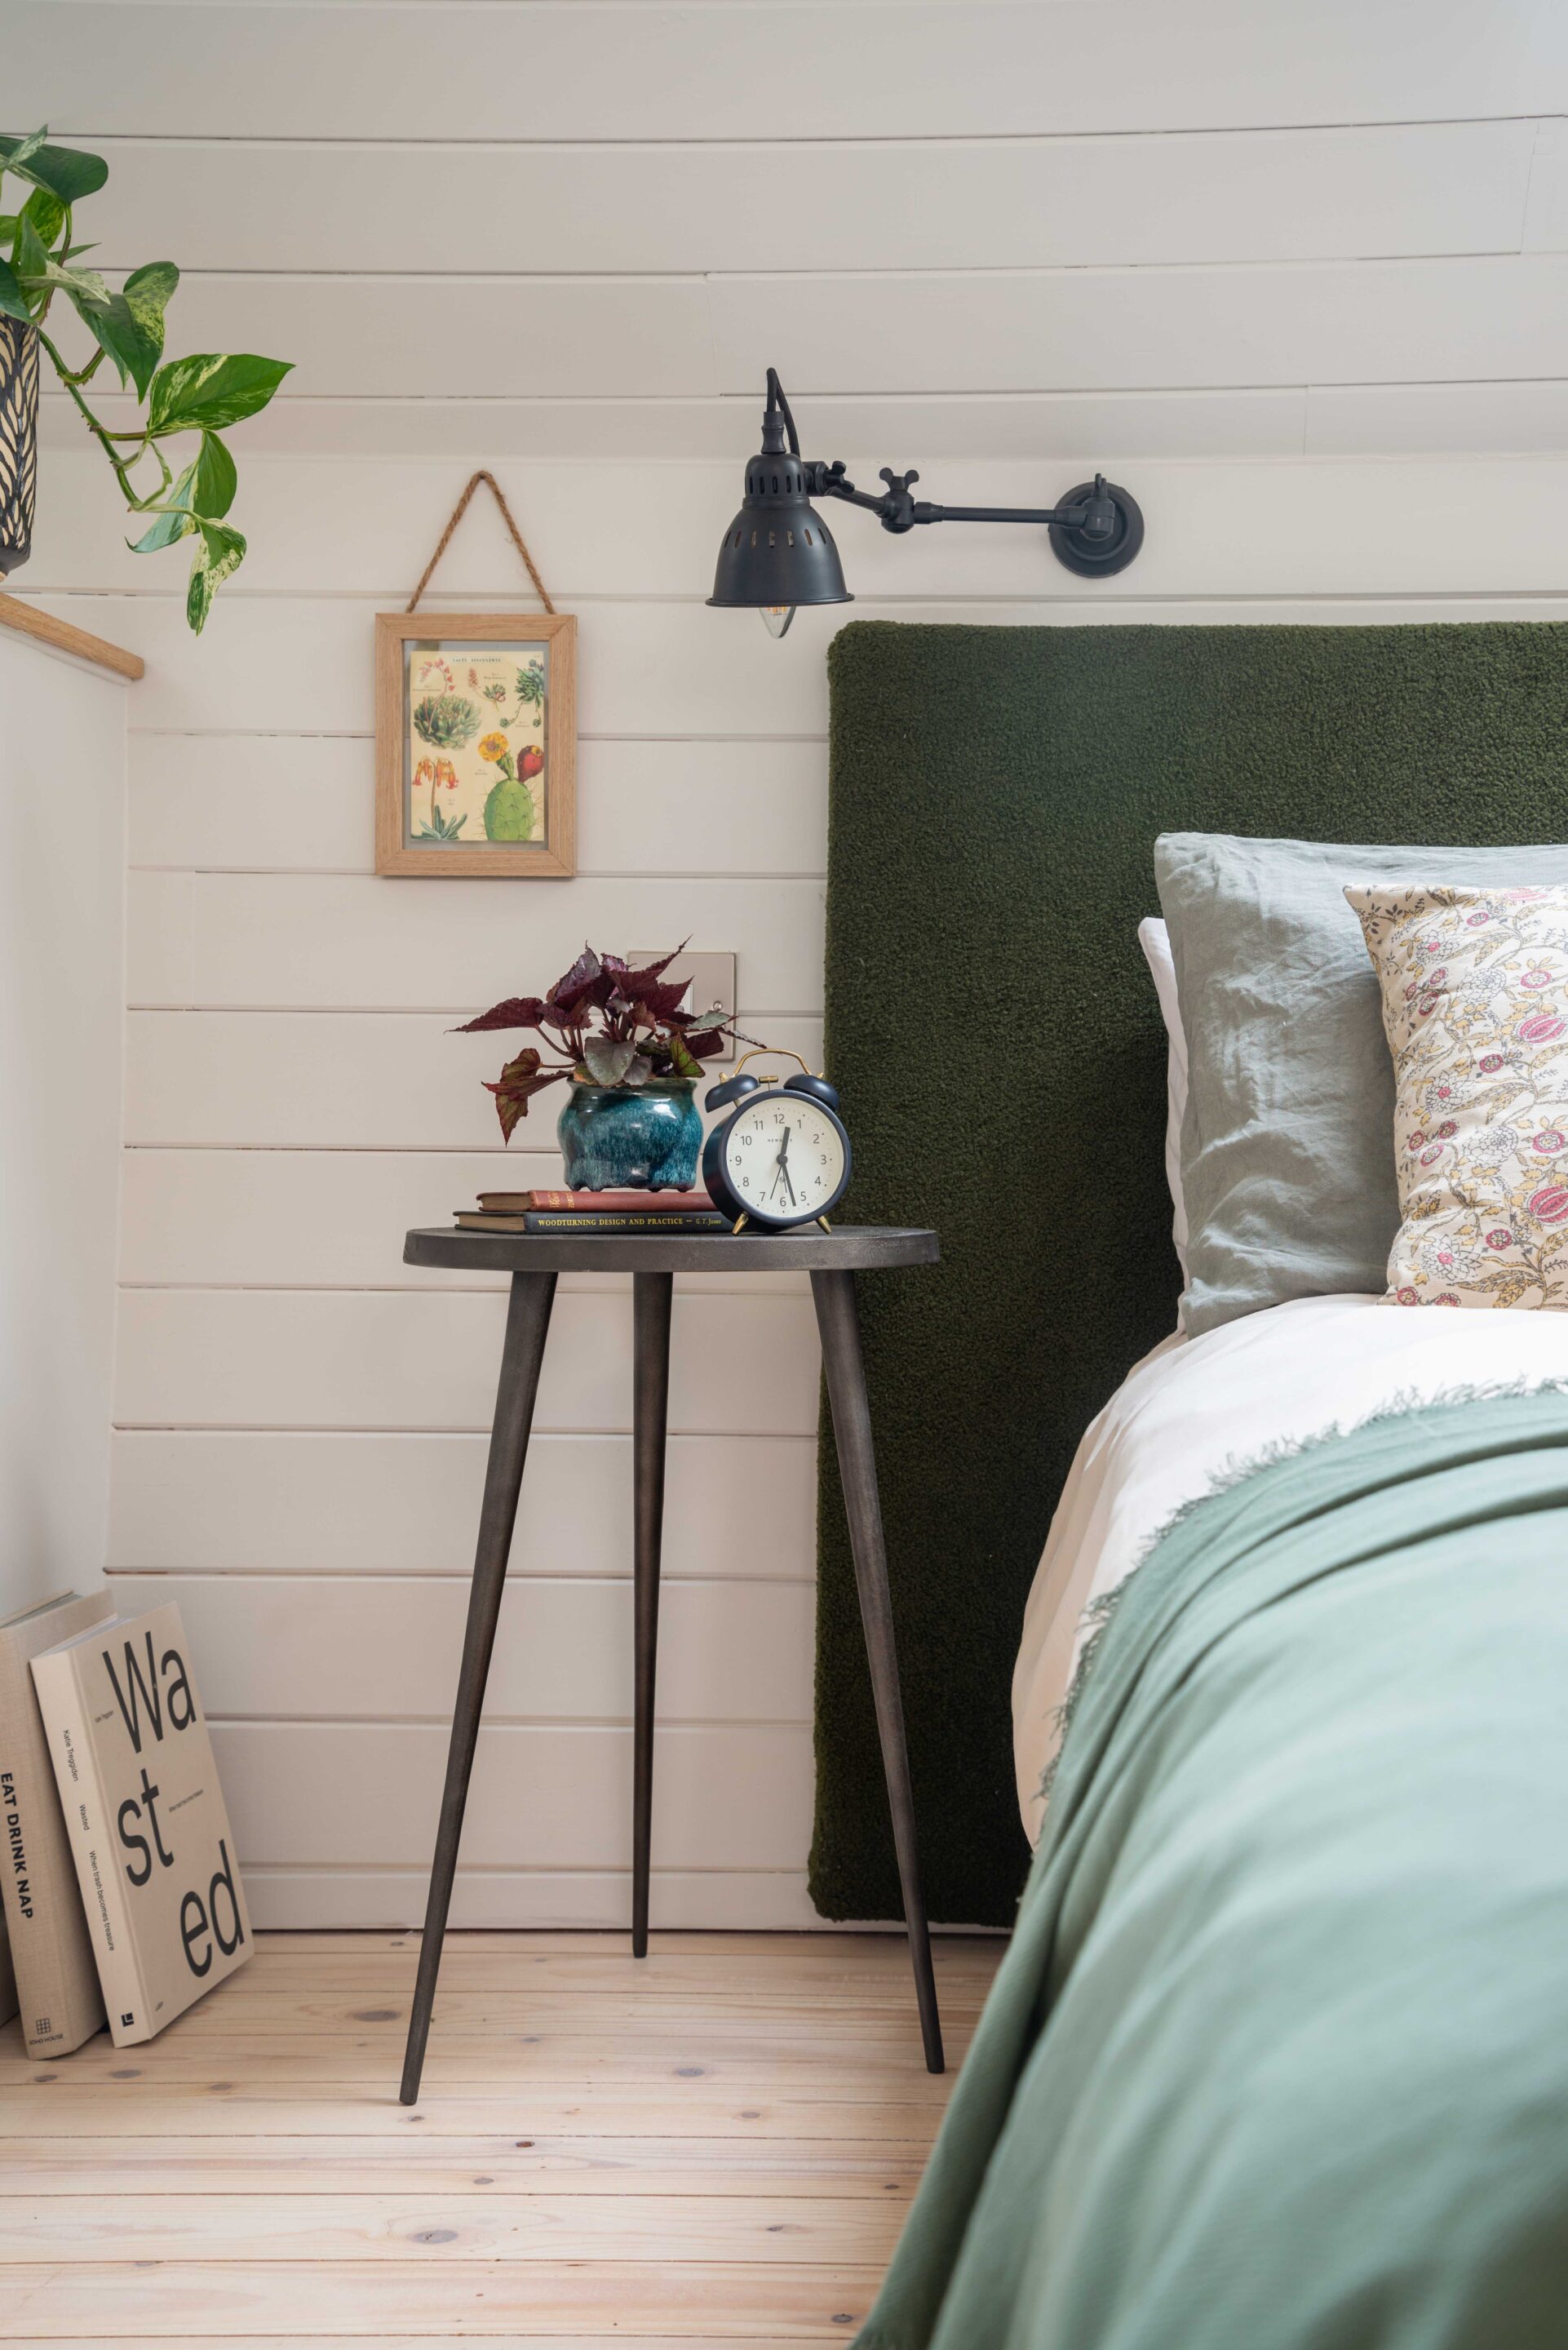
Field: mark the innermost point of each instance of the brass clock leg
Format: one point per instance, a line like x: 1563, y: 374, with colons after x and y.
x: 738, y: 1227
x: 824, y: 1222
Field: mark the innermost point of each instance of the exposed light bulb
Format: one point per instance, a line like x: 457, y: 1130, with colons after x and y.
x: 776, y: 618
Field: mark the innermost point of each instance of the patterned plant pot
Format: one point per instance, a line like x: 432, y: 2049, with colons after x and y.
x: 631, y: 1138
x: 18, y: 440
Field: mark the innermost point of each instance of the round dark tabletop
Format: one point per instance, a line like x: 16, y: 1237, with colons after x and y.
x: 850, y: 1248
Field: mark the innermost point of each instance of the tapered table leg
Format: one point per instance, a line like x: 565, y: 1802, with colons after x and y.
x: 527, y: 1321
x: 650, y: 1409
x: 840, y: 1328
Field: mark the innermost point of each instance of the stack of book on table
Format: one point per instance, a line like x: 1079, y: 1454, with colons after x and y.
x: 593, y: 1212
x: 117, y: 1885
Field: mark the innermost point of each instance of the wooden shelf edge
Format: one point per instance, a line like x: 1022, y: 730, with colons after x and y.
x: 28, y: 621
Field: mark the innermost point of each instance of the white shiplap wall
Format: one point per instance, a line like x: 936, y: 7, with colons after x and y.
x: 1299, y: 276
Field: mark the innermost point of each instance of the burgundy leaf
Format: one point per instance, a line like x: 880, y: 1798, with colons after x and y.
x: 707, y: 1041
x: 517, y: 1012
x: 518, y: 1080
x: 637, y: 983
x: 663, y: 1002
x: 580, y: 981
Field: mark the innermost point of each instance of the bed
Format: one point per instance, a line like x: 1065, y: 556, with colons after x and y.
x: 1278, y: 2058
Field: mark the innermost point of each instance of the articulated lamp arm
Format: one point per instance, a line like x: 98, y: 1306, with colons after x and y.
x: 1098, y: 528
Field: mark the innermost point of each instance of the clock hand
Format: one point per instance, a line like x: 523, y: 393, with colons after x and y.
x: 781, y: 1166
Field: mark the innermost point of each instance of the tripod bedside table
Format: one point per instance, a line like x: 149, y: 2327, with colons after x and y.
x: 534, y: 1262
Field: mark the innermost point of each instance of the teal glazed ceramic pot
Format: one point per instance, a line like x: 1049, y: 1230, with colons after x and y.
x: 631, y: 1138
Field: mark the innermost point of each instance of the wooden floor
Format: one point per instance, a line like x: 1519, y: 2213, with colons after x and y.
x: 715, y: 2145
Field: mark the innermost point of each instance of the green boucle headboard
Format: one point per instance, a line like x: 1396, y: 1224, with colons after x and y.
x: 993, y: 1029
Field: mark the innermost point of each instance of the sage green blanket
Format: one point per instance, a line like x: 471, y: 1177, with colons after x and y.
x: 1278, y: 2059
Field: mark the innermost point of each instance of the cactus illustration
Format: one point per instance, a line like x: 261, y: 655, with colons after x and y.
x: 508, y: 811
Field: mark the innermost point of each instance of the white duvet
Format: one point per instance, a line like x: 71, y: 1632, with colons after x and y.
x: 1197, y: 1406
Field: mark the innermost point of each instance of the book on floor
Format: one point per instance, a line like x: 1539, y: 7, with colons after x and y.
x: 539, y: 1219
x: 7, y: 1976
x: 145, y: 1817
x: 51, y: 1956
x: 626, y: 1203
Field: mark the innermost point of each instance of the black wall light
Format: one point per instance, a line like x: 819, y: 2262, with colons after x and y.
x: 778, y: 553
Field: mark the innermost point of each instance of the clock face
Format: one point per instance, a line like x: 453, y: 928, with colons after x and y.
x: 785, y: 1157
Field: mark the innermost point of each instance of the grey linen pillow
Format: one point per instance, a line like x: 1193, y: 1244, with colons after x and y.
x: 1287, y: 1148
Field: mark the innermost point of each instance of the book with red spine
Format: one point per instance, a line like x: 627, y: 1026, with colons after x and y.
x: 596, y: 1203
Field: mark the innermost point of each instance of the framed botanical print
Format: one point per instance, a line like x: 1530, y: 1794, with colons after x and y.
x: 476, y: 743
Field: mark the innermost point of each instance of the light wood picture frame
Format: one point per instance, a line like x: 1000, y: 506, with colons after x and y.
x: 476, y: 745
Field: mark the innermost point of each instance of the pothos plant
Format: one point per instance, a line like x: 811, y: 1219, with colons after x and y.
x: 204, y: 394
x: 611, y: 1023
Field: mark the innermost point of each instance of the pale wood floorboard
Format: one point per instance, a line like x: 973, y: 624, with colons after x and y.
x: 715, y: 2146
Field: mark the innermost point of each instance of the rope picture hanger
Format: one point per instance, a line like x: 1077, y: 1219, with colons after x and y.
x: 476, y: 732
x: 518, y: 541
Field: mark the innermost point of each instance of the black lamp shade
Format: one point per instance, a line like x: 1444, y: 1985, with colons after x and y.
x: 778, y: 551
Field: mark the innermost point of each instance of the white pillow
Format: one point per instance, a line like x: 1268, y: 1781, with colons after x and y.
x: 1154, y: 940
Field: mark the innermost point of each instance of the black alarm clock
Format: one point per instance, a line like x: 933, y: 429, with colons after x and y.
x: 782, y: 1158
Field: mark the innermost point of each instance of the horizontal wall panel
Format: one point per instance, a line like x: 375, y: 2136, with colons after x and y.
x: 893, y: 203
x: 309, y: 1792
x: 752, y: 1901
x: 1360, y: 322
x: 996, y: 331
x: 345, y: 1081
x: 306, y: 1220
x: 413, y: 1360
x: 252, y: 803
x: 276, y: 803
x: 342, y: 943
x: 1492, y: 420
x: 331, y: 1081
x: 212, y: 1503
x: 1239, y: 529
x: 335, y: 1219
x: 160, y: 912
x: 358, y: 1649
x: 904, y: 429
x: 673, y: 71
x: 621, y: 529
x: 363, y: 528
x: 490, y: 337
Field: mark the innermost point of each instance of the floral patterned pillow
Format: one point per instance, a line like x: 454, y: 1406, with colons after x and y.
x: 1475, y: 1007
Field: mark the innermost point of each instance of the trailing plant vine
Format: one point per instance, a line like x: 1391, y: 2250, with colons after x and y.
x: 203, y: 394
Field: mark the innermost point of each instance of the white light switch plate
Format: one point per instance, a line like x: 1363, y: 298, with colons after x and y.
x: 712, y: 990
